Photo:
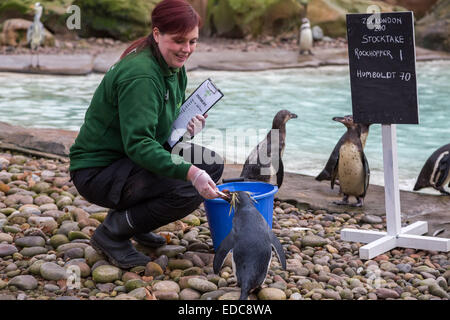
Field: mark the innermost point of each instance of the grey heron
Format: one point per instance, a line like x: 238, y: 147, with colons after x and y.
x: 35, y: 33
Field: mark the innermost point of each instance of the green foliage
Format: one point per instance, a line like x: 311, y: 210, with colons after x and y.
x: 246, y: 6
x: 237, y: 18
x: 137, y: 11
x: 250, y: 9
x: 120, y: 19
x: 14, y: 9
x: 222, y: 20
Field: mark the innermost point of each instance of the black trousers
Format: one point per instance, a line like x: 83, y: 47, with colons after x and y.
x: 152, y: 200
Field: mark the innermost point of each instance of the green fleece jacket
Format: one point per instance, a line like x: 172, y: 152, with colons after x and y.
x: 131, y: 115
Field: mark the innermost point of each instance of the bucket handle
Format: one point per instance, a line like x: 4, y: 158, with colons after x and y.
x: 238, y: 179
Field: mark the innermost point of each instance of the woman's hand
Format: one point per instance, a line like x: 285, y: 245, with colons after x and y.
x: 202, y: 182
x: 196, y: 124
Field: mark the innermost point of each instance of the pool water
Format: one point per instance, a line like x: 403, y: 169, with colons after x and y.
x: 250, y: 101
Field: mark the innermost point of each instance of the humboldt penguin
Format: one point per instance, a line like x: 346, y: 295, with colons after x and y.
x: 436, y: 171
x: 306, y: 37
x: 251, y: 241
x: 351, y: 166
x: 265, y: 160
x: 326, y: 172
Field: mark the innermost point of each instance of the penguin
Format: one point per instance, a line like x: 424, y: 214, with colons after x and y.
x: 262, y: 162
x: 326, y: 172
x: 306, y: 38
x: 351, y: 165
x: 251, y: 241
x: 436, y: 171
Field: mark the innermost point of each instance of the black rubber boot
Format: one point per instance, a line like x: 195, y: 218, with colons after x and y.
x: 150, y: 239
x: 112, y: 238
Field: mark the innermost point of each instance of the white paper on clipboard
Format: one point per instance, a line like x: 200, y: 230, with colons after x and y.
x: 199, y: 102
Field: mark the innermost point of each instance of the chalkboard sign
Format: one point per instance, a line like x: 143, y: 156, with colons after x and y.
x: 383, y: 68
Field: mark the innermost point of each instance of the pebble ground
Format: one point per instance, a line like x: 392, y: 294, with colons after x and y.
x: 45, y: 253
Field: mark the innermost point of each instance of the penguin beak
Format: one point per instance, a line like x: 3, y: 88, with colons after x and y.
x: 293, y: 116
x: 339, y: 119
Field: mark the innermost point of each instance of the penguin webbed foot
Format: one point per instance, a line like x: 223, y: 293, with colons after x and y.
x: 343, y: 202
x: 444, y: 192
x: 359, y: 203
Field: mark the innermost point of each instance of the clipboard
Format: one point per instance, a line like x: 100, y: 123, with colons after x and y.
x: 200, y: 101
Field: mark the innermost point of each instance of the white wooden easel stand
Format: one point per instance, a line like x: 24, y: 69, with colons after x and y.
x: 396, y: 236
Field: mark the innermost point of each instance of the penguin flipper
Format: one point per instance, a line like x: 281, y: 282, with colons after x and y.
x: 443, y: 170
x: 332, y: 160
x: 423, y: 178
x: 278, y: 249
x: 366, y: 173
x: 334, y: 172
x: 324, y: 175
x: 280, y: 173
x: 252, y: 168
x: 225, y: 246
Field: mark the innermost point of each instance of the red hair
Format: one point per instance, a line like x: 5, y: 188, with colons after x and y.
x: 169, y: 16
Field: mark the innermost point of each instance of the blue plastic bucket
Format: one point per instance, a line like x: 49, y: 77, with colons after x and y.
x: 220, y: 222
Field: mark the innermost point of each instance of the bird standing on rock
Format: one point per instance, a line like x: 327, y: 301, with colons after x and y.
x: 436, y: 171
x: 306, y: 37
x: 351, y: 165
x: 35, y: 33
x: 264, y: 162
x: 326, y: 172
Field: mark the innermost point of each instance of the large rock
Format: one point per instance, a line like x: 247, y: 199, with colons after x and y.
x: 58, y: 239
x: 271, y: 294
x: 53, y: 141
x: 33, y: 251
x: 92, y: 256
x: 32, y: 241
x: 153, y: 269
x: 330, y: 15
x: 167, y: 286
x: 201, y: 285
x: 4, y: 237
x: 433, y: 31
x: 52, y: 271
x: 47, y: 224
x: 7, y: 250
x: 420, y: 7
x: 15, y: 33
x: 106, y: 274
x: 24, y: 282
x: 313, y: 241
x: 170, y: 250
x: 384, y: 293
